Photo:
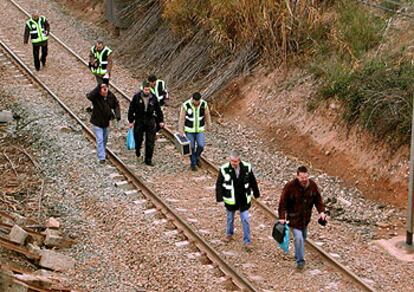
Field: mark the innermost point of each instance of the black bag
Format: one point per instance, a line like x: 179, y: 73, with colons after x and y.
x: 278, y: 232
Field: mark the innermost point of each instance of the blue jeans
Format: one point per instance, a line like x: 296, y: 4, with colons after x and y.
x: 245, y: 220
x: 101, y: 135
x: 299, y: 240
x: 200, y: 138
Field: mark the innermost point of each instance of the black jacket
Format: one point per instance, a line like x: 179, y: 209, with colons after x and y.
x: 104, y: 108
x: 137, y: 113
x: 296, y: 203
x: 245, y: 177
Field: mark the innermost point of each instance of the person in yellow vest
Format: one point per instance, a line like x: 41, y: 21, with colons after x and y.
x: 194, y: 117
x: 159, y: 89
x: 236, y: 185
x: 37, y: 29
x: 100, y: 62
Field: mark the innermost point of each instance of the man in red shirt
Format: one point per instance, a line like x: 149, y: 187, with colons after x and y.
x: 295, y: 205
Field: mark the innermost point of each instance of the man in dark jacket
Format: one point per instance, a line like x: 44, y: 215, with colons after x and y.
x: 144, y: 114
x: 236, y: 185
x: 105, y: 108
x: 37, y: 29
x: 295, y: 205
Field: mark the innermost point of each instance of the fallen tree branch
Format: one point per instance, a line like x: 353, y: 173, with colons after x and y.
x: 11, y: 163
x: 31, y: 121
x: 42, y: 190
x: 35, y: 164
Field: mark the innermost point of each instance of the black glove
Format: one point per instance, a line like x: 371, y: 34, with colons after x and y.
x: 322, y: 222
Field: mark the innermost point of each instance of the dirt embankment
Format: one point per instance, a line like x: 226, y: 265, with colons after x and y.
x: 275, y: 105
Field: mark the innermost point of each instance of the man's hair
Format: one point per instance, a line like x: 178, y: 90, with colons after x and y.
x: 234, y: 154
x: 197, y: 95
x: 145, y: 83
x: 152, y: 78
x: 302, y: 169
x: 99, y: 41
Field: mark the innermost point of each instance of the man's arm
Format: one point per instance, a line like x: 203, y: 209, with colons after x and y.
x: 26, y: 34
x: 283, y: 203
x: 109, y: 68
x: 219, y: 188
x: 181, y: 121
x: 318, y: 201
x: 208, y: 117
x: 253, y: 184
x: 92, y: 60
x: 47, y: 27
x: 131, y: 110
x: 92, y: 95
x: 117, y: 108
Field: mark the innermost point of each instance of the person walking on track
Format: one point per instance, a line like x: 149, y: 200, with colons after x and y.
x: 194, y: 117
x: 295, y: 206
x: 236, y: 185
x: 37, y: 28
x: 158, y: 88
x: 105, y: 108
x: 144, y: 114
x: 100, y: 62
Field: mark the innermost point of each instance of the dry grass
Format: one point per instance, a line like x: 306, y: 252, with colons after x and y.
x: 211, y: 42
x: 275, y: 28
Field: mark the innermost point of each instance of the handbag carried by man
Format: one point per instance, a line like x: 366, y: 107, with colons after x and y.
x: 280, y: 233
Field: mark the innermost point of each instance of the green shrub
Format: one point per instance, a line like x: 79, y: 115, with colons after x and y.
x: 378, y: 96
x: 358, y: 27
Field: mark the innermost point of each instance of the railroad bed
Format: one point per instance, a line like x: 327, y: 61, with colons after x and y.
x: 191, y: 195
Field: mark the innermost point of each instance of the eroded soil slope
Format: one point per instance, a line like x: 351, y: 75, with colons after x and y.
x: 276, y: 106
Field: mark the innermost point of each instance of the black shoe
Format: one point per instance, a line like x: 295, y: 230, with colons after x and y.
x: 37, y: 69
x: 138, y: 154
x: 88, y: 109
x: 149, y: 163
x: 193, y: 168
x: 300, y: 266
x: 198, y: 163
x: 102, y: 161
x: 44, y: 64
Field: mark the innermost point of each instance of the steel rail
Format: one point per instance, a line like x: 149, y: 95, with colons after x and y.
x: 238, y: 279
x: 209, y: 165
x: 269, y: 213
x: 165, y: 131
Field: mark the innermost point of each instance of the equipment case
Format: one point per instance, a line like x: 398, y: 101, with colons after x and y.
x: 182, y: 144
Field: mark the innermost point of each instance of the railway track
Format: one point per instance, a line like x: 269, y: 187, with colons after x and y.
x: 118, y: 157
x: 135, y: 181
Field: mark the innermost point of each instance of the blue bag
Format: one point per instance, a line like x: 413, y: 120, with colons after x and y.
x: 284, y: 245
x: 130, y: 141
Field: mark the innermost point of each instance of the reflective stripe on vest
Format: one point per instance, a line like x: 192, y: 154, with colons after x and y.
x: 228, y: 185
x: 37, y: 30
x: 194, y: 116
x: 155, y: 90
x: 102, y: 58
x: 230, y: 199
x: 249, y: 195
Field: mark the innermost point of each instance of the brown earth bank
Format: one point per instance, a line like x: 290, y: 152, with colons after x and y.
x: 276, y: 105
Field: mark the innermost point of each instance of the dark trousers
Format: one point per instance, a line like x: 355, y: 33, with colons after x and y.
x: 148, y: 128
x: 36, y: 52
